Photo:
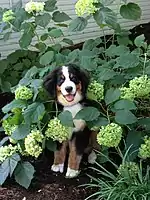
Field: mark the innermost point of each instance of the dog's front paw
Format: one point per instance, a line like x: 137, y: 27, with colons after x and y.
x: 71, y: 173
x: 92, y: 157
x: 57, y: 168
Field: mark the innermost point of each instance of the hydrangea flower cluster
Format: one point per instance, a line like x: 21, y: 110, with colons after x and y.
x: 85, y: 6
x: 97, y: 90
x: 8, y: 128
x: 138, y: 88
x: 110, y: 135
x: 8, y: 16
x: 32, y: 146
x: 57, y: 131
x: 128, y: 168
x: 144, y: 151
x: 31, y: 7
x: 7, y: 151
x: 23, y: 92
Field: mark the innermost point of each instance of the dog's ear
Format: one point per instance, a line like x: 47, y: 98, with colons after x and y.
x: 49, y: 83
x: 85, y: 80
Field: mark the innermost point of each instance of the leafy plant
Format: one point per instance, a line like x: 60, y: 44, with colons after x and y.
x: 128, y: 181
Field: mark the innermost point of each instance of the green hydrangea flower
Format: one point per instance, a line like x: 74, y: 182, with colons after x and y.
x: 34, y: 7
x: 144, y: 150
x: 57, y: 131
x: 110, y: 135
x: 8, y: 128
x: 85, y: 6
x: 97, y: 90
x: 23, y: 93
x: 32, y: 146
x: 127, y: 93
x: 7, y: 151
x: 140, y: 86
x: 128, y: 169
x: 8, y: 16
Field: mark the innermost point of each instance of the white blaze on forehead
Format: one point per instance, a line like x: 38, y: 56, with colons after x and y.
x: 67, y: 82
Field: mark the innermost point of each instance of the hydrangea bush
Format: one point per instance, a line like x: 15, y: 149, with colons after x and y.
x: 119, y: 86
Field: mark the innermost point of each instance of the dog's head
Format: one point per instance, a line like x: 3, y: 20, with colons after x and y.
x: 67, y: 84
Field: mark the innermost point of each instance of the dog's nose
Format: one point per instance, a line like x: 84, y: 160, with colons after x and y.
x: 69, y: 88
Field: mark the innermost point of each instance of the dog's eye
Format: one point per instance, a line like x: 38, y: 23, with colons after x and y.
x: 74, y: 79
x: 60, y: 80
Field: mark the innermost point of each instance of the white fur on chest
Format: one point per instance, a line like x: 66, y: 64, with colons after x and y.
x: 79, y: 123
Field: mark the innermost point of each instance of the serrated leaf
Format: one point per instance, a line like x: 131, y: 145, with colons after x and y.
x: 51, y: 145
x: 67, y: 41
x: 112, y: 95
x: 131, y: 11
x: 105, y: 16
x: 88, y: 114
x: 34, y: 112
x: 78, y: 24
x: 125, y: 117
x: 47, y: 58
x: 24, y: 174
x: 125, y: 104
x: 140, y: 41
x: 56, y: 33
x: 60, y: 16
x: 133, y: 141
x: 4, y: 171
x: 50, y: 5
x: 43, y: 20
x: 21, y: 132
x: 128, y: 61
x: 66, y: 118
x: 13, y: 161
x: 14, y: 104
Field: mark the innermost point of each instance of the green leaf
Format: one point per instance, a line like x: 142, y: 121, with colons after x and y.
x: 31, y: 72
x: 90, y: 44
x: 21, y: 132
x: 34, y: 112
x: 44, y: 36
x: 103, y: 156
x: 125, y: 104
x: 114, y: 50
x: 88, y: 114
x: 133, y: 140
x: 4, y: 171
x: 14, y: 104
x: 24, y: 174
x: 128, y: 61
x: 51, y: 145
x: 56, y: 33
x: 73, y: 56
x: 105, y: 74
x: 125, y: 117
x: 43, y: 20
x: 13, y: 161
x: 50, y: 5
x: 26, y: 39
x: 140, y: 41
x: 60, y: 17
x: 145, y: 123
x: 41, y: 46
x: 78, y: 24
x: 66, y: 118
x: 105, y: 16
x: 100, y: 121
x: 131, y: 11
x: 47, y: 58
x: 88, y: 63
x: 112, y: 95
x: 3, y: 66
x: 67, y: 41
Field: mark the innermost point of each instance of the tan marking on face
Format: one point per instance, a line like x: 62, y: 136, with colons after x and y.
x: 60, y: 156
x: 74, y: 159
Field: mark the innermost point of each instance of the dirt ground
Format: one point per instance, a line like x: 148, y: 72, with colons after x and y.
x: 47, y: 185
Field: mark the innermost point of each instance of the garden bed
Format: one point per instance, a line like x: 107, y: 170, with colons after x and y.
x: 46, y: 184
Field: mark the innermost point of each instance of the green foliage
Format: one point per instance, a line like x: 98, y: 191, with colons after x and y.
x: 119, y: 84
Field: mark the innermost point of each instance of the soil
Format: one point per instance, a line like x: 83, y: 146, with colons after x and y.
x: 47, y: 185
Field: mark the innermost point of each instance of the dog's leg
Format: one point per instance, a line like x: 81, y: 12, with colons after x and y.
x: 59, y: 159
x: 74, y: 161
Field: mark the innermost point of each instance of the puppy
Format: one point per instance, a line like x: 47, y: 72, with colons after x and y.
x: 68, y: 86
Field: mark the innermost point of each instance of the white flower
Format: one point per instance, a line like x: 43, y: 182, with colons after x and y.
x: 34, y: 7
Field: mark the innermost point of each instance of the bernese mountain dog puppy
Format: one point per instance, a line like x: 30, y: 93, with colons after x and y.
x: 68, y: 86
